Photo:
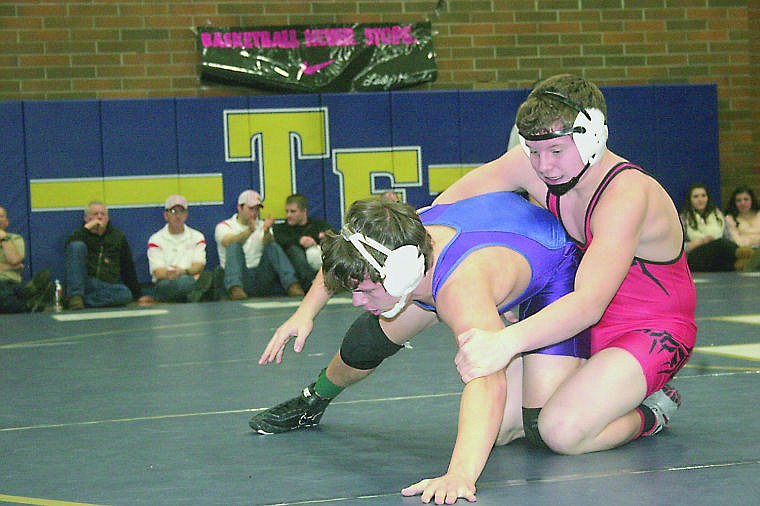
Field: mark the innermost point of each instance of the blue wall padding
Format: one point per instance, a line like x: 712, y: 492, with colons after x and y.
x: 12, y: 172
x: 486, y: 119
x: 670, y: 130
x: 358, y: 120
x: 63, y: 139
x: 431, y: 120
x: 139, y: 136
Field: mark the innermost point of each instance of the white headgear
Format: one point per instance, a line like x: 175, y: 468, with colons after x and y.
x: 402, y: 271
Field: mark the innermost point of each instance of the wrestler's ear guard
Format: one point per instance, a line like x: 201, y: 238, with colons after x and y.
x: 590, y: 135
x: 403, y: 269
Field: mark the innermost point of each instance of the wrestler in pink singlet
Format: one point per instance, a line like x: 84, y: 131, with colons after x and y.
x: 652, y: 313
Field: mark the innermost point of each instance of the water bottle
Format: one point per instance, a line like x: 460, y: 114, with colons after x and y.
x: 58, y: 297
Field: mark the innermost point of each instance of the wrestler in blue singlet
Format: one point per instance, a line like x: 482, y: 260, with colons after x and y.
x: 508, y: 220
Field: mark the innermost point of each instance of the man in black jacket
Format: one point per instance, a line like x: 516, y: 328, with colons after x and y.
x: 100, y: 270
x: 299, y: 236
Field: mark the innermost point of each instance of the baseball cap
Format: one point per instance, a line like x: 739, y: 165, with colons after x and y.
x: 250, y: 198
x: 175, y: 200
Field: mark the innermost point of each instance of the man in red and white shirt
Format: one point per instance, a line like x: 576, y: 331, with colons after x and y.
x: 177, y: 257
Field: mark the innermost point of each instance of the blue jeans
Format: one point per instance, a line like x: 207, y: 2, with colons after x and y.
x: 272, y: 276
x: 175, y: 290
x: 297, y: 256
x: 96, y: 293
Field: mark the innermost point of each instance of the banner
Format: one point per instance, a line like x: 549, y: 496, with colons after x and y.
x: 320, y: 58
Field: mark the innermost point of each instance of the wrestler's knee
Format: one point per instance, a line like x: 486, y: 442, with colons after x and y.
x: 562, y: 431
x: 365, y: 344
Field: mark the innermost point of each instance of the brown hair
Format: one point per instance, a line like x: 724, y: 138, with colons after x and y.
x: 555, y: 102
x: 392, y: 224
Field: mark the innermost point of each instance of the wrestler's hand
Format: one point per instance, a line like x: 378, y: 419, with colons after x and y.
x: 297, y: 326
x: 481, y: 353
x: 510, y: 316
x: 445, y: 489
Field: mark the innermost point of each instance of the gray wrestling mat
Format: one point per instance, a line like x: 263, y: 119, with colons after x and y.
x: 149, y: 406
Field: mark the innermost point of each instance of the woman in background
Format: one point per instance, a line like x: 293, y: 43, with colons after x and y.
x: 743, y: 224
x: 708, y: 248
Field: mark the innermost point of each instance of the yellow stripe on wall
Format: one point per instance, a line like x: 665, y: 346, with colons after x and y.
x: 441, y: 177
x: 134, y: 191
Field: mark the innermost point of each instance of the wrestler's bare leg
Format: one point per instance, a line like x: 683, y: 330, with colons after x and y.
x: 594, y: 409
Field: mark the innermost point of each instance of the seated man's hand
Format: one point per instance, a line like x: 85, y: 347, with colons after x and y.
x: 145, y: 300
x: 307, y: 242
x: 94, y: 225
x: 445, y: 489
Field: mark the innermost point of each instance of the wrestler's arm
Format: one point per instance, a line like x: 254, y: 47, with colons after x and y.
x: 511, y: 171
x: 617, y: 224
x: 466, y: 300
x: 300, y: 324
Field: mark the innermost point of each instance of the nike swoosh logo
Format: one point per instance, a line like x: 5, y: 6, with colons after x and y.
x: 313, y: 69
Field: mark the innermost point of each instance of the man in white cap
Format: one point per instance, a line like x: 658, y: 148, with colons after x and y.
x: 254, y: 264
x: 177, y: 257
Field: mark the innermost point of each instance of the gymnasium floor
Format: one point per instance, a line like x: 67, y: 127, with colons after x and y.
x: 149, y: 406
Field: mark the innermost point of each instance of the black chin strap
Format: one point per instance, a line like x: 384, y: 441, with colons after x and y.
x: 560, y: 189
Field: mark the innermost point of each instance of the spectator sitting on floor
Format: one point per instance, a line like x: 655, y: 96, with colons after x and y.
x: 254, y: 264
x: 177, y: 257
x: 300, y: 236
x: 708, y: 249
x: 15, y: 297
x: 100, y: 270
x: 743, y: 223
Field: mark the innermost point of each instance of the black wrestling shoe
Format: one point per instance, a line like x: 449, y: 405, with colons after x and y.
x: 300, y: 412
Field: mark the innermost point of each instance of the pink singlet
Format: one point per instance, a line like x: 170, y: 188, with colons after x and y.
x: 652, y: 314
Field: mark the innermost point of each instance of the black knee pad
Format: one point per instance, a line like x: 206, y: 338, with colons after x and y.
x: 365, y: 345
x: 530, y: 425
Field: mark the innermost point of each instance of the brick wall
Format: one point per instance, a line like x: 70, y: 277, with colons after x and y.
x: 59, y: 49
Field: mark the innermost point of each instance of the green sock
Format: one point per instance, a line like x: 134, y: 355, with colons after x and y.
x: 326, y: 388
